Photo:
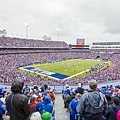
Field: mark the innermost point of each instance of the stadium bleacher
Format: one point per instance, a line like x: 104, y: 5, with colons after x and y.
x: 16, y: 52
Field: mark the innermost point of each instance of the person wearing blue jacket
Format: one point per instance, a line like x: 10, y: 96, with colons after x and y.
x: 65, y: 91
x: 39, y: 107
x: 48, y: 106
x: 2, y: 109
x: 72, y: 106
x: 2, y: 92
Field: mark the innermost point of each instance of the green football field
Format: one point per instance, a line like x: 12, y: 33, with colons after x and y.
x: 69, y: 67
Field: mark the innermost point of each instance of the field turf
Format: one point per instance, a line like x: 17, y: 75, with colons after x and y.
x: 69, y: 67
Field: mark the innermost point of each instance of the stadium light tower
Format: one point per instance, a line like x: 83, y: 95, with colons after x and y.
x: 58, y: 30
x: 26, y: 27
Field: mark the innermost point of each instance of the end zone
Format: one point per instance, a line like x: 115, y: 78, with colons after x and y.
x: 53, y: 75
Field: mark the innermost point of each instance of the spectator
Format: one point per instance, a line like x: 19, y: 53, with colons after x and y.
x: 17, y: 103
x: 45, y: 115
x: 39, y: 107
x: 2, y: 109
x: 48, y: 106
x: 65, y: 91
x: 69, y: 98
x: 80, y: 88
x: 72, y: 106
x: 112, y: 109
x: 109, y: 99
x: 52, y: 95
x: 36, y: 116
x: 39, y: 97
x: 92, y: 104
x: 26, y: 89
x: 118, y: 94
x: 32, y: 103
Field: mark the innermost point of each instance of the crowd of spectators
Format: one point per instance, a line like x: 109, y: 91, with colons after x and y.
x: 24, y: 103
x: 89, y: 103
x: 12, y: 59
x: 18, y: 42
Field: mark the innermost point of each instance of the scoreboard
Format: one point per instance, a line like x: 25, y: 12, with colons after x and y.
x: 80, y: 43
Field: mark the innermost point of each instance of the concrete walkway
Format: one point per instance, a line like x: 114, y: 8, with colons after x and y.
x: 60, y: 111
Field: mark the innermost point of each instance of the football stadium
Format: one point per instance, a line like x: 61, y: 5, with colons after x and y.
x: 59, y: 60
x: 58, y: 64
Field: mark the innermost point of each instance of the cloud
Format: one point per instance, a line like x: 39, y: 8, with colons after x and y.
x: 89, y: 19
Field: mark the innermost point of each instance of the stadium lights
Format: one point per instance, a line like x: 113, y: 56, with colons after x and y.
x: 58, y: 30
x: 26, y: 26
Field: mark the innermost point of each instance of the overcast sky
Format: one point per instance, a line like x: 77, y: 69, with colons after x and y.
x: 93, y: 20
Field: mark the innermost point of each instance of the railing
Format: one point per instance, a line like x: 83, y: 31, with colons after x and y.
x: 58, y: 88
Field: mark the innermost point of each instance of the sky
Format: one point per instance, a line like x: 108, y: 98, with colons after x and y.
x: 92, y: 20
